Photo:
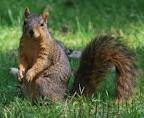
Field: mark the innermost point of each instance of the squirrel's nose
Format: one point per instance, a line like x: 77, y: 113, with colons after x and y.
x: 31, y: 32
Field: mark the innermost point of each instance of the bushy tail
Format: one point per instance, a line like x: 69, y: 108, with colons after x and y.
x: 100, y: 55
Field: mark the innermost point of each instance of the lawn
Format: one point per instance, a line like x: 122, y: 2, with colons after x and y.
x: 75, y: 23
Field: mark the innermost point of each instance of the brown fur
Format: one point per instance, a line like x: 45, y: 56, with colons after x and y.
x: 43, y: 65
x: 100, y: 55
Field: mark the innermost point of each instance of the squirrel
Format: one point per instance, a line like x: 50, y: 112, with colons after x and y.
x: 44, y: 68
x: 99, y: 56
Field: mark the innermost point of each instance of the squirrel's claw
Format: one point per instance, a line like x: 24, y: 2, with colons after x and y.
x: 29, y: 76
x: 20, y: 75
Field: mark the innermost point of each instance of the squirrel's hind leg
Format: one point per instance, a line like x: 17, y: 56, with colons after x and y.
x: 47, y: 88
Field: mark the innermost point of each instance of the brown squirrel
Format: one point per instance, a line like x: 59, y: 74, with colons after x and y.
x: 100, y: 55
x: 44, y: 68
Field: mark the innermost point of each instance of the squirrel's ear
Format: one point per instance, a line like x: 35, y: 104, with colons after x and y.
x: 45, y: 16
x: 26, y: 12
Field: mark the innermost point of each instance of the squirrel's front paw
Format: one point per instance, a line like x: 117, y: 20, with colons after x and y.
x: 29, y: 75
x: 20, y: 75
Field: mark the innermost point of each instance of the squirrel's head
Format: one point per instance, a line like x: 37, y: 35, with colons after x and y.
x: 35, y: 26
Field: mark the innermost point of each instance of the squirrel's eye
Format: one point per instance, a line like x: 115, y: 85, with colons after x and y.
x: 42, y: 24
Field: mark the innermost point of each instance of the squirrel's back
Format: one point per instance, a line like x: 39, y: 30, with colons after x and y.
x: 100, y: 55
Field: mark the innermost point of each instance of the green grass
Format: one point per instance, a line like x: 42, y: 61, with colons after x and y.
x: 84, y: 20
